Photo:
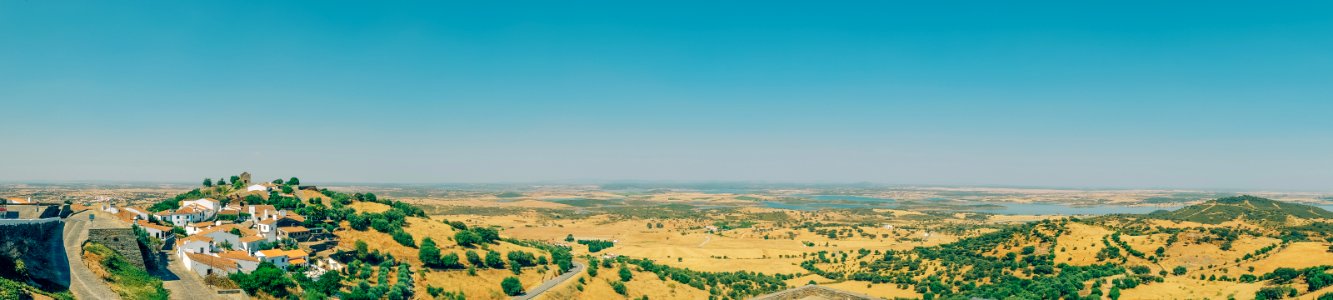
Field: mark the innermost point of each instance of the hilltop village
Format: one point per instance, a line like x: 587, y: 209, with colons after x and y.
x: 236, y: 232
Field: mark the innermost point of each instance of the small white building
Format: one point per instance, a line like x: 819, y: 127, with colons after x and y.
x: 282, y: 258
x: 191, y: 212
x: 257, y: 188
x: 207, y: 203
x: 205, y: 264
x: 193, y: 244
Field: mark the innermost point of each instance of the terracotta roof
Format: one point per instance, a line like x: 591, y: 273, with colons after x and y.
x: 272, y: 253
x: 292, y: 229
x: 296, y: 253
x: 237, y: 255
x: 145, y: 224
x: 125, y: 215
x: 295, y: 217
x: 253, y: 238
x: 193, y: 238
x: 188, y: 209
x: 202, y: 224
x: 212, y: 261
x: 298, y: 261
x: 267, y: 222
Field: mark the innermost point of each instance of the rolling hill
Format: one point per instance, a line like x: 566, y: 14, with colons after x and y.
x: 1247, y: 207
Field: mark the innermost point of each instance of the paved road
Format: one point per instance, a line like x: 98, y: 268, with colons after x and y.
x: 578, y: 268
x: 185, y: 284
x: 82, y: 282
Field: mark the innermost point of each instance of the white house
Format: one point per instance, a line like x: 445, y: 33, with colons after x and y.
x: 262, y: 212
x: 245, y: 261
x: 249, y: 243
x: 193, y: 244
x: 278, y: 257
x: 154, y: 230
x: 205, y: 264
x: 257, y: 188
x: 211, y: 204
x: 267, y: 228
x: 186, y: 215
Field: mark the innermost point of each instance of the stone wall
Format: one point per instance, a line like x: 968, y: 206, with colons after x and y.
x: 120, y: 239
x: 41, y: 248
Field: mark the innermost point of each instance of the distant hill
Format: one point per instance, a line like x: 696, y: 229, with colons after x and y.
x: 1247, y: 207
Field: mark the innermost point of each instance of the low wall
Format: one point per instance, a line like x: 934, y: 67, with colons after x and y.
x: 28, y: 221
x: 122, y: 240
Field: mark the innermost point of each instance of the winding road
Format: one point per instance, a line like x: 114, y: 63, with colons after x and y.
x: 578, y: 268
x: 82, y: 282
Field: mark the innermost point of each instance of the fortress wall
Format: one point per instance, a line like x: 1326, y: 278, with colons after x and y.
x: 40, y: 244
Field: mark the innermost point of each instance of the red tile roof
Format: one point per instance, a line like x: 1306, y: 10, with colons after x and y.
x: 212, y: 261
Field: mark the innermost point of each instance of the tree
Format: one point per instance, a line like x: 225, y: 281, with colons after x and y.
x: 403, y: 238
x: 521, y: 258
x: 429, y: 253
x: 625, y: 274
x: 277, y: 181
x: 361, y: 248
x: 1178, y: 270
x: 208, y: 182
x: 358, y: 222
x: 1274, y: 292
x: 619, y: 287
x: 1114, y: 294
x: 450, y: 261
x: 494, y: 261
x: 266, y: 278
x: 328, y: 283
x: 221, y: 182
x: 294, y: 181
x: 474, y: 259
x: 287, y: 189
x: 488, y: 235
x: 511, y: 286
x: 380, y: 225
x: 466, y: 238
x: 570, y: 238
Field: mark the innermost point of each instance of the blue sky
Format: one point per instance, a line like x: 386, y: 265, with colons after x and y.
x: 1080, y: 94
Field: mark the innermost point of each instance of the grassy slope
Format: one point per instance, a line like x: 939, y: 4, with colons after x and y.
x: 128, y: 280
x: 486, y: 285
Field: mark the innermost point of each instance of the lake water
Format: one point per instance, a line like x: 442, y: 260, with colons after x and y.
x: 846, y: 198
x: 840, y: 201
x: 1060, y: 209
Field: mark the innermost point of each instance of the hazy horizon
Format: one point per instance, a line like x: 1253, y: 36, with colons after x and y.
x: 1126, y: 94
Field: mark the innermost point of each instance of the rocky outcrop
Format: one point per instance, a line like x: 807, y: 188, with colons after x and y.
x: 814, y: 292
